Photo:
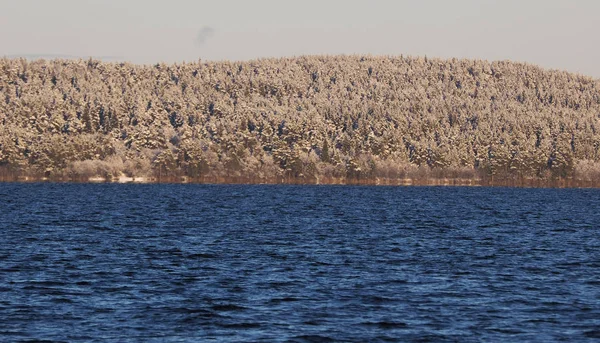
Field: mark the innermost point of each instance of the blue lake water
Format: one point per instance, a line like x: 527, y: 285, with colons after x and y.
x: 191, y: 263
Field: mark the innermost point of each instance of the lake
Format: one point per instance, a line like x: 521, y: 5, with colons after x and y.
x: 270, y: 263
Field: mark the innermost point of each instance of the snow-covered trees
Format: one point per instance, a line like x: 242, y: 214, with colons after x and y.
x: 307, y: 119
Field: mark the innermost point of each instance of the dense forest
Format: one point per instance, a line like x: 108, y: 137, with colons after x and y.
x: 316, y: 119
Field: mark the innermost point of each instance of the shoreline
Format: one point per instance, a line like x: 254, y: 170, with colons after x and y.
x: 442, y: 182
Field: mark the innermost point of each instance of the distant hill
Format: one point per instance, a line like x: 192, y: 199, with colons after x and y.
x: 309, y: 119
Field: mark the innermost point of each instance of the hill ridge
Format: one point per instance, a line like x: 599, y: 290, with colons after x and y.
x: 307, y: 118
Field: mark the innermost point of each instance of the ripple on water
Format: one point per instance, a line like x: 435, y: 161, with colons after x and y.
x: 192, y: 263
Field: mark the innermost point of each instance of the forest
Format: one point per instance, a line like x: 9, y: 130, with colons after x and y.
x: 311, y: 119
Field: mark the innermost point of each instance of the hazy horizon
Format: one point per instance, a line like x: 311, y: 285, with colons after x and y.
x: 553, y: 34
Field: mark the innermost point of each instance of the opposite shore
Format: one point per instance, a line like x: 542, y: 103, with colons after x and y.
x: 456, y: 182
x: 305, y: 120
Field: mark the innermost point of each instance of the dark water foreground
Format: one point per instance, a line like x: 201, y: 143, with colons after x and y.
x: 191, y: 263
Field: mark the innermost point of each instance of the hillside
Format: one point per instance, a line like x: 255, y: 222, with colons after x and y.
x: 302, y: 120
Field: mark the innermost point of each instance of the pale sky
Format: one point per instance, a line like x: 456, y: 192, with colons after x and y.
x: 559, y: 34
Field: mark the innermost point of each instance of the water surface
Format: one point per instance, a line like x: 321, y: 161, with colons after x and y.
x: 189, y: 263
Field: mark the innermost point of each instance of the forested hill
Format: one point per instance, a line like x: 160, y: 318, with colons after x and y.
x: 305, y: 119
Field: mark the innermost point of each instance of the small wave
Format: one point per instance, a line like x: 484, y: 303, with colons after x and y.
x: 312, y: 339
x: 542, y: 320
x: 281, y: 284
x: 201, y: 256
x: 38, y: 257
x: 62, y: 301
x: 378, y: 300
x: 592, y: 334
x: 115, y: 289
x: 13, y: 269
x: 386, y: 325
x: 397, y: 282
x: 47, y: 283
x: 240, y: 325
x: 283, y: 300
x: 320, y: 263
x: 228, y: 307
x: 100, y: 228
x: 508, y: 331
x: 186, y: 310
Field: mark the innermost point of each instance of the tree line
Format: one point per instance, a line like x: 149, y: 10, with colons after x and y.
x: 304, y: 119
